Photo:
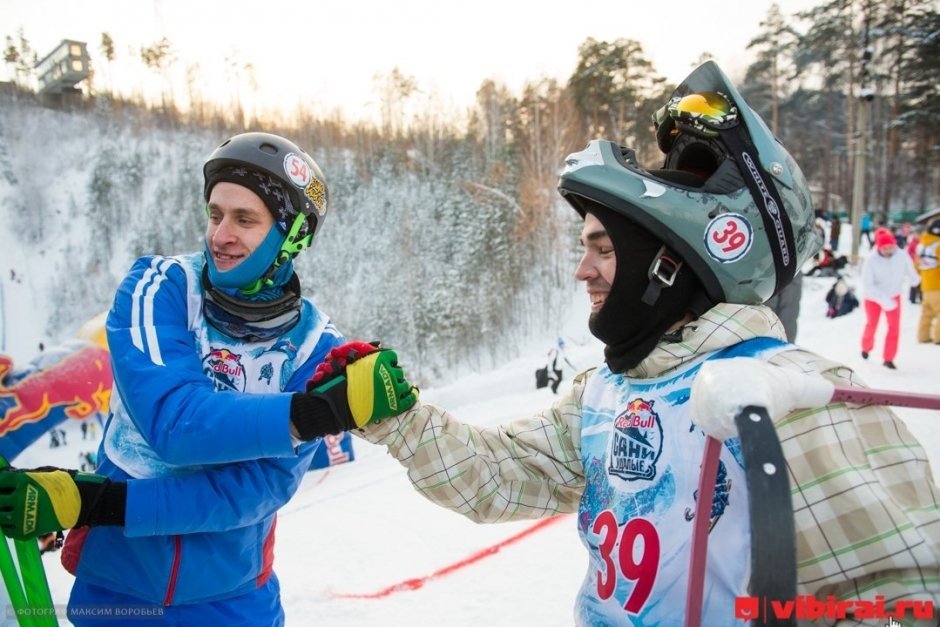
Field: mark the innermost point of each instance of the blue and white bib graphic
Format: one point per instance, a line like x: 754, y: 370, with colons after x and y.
x: 636, y: 442
x: 642, y: 455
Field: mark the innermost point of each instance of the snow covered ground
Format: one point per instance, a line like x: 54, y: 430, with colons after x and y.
x: 358, y: 530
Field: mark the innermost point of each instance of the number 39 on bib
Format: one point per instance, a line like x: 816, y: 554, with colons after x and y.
x: 630, y: 552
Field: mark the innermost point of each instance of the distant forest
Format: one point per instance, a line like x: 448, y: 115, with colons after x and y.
x: 810, y: 73
x: 483, y: 245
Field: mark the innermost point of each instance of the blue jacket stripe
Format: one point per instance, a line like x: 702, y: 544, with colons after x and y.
x: 142, y: 309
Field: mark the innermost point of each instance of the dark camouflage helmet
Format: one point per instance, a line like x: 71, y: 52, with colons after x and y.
x: 729, y: 200
x: 290, y: 166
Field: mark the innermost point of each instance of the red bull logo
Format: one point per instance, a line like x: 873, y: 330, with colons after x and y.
x: 639, y: 414
x: 225, y: 368
x: 79, y: 383
x: 225, y: 362
x: 636, y: 442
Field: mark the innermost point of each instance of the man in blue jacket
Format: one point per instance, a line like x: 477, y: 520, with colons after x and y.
x: 211, y: 427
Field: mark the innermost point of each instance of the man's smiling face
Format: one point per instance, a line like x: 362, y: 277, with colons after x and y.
x: 598, y: 264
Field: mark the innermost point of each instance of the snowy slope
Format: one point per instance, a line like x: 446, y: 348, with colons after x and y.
x: 359, y: 529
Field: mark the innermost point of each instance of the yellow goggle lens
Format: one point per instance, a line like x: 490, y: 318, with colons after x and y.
x: 708, y: 103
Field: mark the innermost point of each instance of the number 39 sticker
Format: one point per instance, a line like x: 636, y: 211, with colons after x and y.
x: 728, y: 237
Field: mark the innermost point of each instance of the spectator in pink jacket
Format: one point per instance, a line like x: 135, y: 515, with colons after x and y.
x: 883, y: 276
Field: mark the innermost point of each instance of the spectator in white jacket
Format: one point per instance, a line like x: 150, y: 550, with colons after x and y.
x: 883, y: 277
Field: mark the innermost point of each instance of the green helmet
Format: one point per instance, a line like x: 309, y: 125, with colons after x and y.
x: 729, y: 200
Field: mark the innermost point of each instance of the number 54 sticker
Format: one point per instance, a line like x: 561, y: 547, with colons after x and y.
x: 637, y: 558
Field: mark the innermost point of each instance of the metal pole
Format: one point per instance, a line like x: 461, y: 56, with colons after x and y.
x: 893, y: 398
x: 858, y: 186
x: 865, y: 95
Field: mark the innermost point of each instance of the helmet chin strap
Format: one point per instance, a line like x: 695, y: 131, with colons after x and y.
x: 662, y: 273
x: 289, y: 249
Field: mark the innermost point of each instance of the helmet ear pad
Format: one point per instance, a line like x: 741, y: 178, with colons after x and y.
x: 680, y: 177
x: 693, y: 153
x: 702, y: 163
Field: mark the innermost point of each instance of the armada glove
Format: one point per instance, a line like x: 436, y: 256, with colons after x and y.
x: 356, y: 384
x: 42, y: 500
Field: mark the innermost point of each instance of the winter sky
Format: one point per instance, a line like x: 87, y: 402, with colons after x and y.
x: 326, y: 54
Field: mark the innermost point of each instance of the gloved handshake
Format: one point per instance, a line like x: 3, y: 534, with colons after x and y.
x: 356, y: 384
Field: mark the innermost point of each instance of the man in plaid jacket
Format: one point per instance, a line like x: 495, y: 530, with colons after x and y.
x: 675, y: 262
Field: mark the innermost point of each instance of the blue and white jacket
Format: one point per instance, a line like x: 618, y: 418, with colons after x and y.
x: 200, y: 422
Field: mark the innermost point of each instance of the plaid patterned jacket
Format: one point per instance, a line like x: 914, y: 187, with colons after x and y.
x: 866, y: 508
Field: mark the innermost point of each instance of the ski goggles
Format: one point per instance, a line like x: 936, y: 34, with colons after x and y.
x: 704, y: 113
x: 701, y: 113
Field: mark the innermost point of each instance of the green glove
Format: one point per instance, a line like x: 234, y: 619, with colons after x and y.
x: 38, y: 501
x: 375, y: 388
x: 356, y: 384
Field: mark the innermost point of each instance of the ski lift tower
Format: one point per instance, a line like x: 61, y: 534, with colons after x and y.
x: 60, y: 70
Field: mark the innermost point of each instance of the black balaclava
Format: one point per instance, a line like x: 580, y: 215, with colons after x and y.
x: 628, y: 327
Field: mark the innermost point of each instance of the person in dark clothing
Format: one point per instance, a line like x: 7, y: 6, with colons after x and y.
x: 865, y: 229
x: 840, y: 299
x: 552, y: 366
x: 835, y: 230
